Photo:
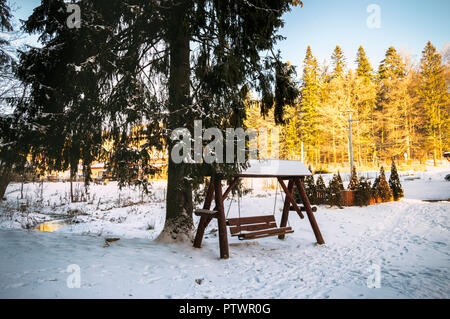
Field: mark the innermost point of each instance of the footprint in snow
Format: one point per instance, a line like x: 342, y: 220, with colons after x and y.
x: 18, y: 285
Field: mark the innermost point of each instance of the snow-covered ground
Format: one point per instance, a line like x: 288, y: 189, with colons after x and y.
x: 407, y: 241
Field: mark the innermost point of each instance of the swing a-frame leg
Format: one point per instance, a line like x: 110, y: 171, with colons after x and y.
x: 204, y: 219
x: 285, y: 215
x: 289, y: 200
x: 309, y: 211
x: 206, y: 215
x: 221, y: 222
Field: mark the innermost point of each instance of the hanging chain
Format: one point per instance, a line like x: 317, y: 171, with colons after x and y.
x: 275, y: 203
x: 229, y: 206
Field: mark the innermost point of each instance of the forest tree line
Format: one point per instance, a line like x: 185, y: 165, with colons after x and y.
x: 399, y: 110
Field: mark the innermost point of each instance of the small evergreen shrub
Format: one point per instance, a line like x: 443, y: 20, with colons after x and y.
x: 363, y: 192
x: 334, y: 196
x: 310, y: 189
x: 321, y: 191
x: 339, y: 180
x: 374, y: 186
x: 354, y: 182
x: 394, y: 182
x: 383, y: 190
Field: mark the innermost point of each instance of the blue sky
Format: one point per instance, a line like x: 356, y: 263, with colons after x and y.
x: 405, y: 24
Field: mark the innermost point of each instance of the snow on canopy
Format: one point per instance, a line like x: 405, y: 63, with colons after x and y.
x: 275, y: 168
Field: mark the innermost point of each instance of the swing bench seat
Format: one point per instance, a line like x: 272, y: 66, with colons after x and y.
x: 256, y: 227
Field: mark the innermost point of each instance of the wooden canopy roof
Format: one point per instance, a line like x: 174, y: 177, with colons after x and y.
x: 275, y: 168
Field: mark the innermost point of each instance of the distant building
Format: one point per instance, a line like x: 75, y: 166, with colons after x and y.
x: 447, y: 156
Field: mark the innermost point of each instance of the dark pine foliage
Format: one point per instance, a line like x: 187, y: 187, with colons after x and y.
x: 354, y: 182
x: 394, y: 182
x: 13, y: 149
x: 321, y: 191
x: 310, y: 189
x: 339, y: 180
x: 334, y: 195
x: 143, y: 68
x: 13, y: 153
x: 5, y: 25
x: 383, y: 191
x: 363, y: 192
x: 375, y: 184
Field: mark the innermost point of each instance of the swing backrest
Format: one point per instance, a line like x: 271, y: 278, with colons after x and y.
x: 238, y: 225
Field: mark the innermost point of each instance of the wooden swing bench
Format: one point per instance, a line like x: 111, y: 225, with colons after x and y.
x: 256, y: 227
x: 249, y: 227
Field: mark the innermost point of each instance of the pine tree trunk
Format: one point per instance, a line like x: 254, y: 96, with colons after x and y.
x: 334, y: 149
x: 439, y: 134
x: 71, y: 186
x: 5, y: 179
x: 179, y: 205
x: 408, y: 149
x: 408, y: 134
x: 21, y: 186
x: 358, y: 142
x: 434, y: 149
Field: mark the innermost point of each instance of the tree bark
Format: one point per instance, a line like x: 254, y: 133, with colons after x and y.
x: 5, y: 179
x: 21, y: 186
x: 71, y: 185
x: 179, y: 204
x: 334, y: 149
x: 434, y: 149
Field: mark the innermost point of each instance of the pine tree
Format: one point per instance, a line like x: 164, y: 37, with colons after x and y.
x: 65, y: 96
x: 394, y: 182
x: 363, y: 192
x: 13, y: 152
x: 256, y: 121
x: 390, y: 74
x: 5, y: 122
x: 338, y: 61
x: 376, y: 181
x: 433, y: 93
x: 5, y: 58
x: 364, y: 69
x: 139, y: 57
x: 321, y: 190
x: 392, y: 66
x: 363, y: 94
x: 354, y: 182
x: 310, y: 188
x: 334, y: 195
x: 335, y: 105
x: 291, y: 138
x: 309, y: 118
x: 402, y: 116
x: 339, y: 180
x: 383, y: 191
x: 13, y: 148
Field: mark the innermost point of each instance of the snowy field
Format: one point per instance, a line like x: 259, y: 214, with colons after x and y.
x: 407, y: 241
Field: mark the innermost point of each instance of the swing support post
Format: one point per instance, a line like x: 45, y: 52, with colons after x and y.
x: 285, y: 215
x: 221, y: 222
x: 204, y: 220
x: 210, y: 195
x: 309, y: 212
